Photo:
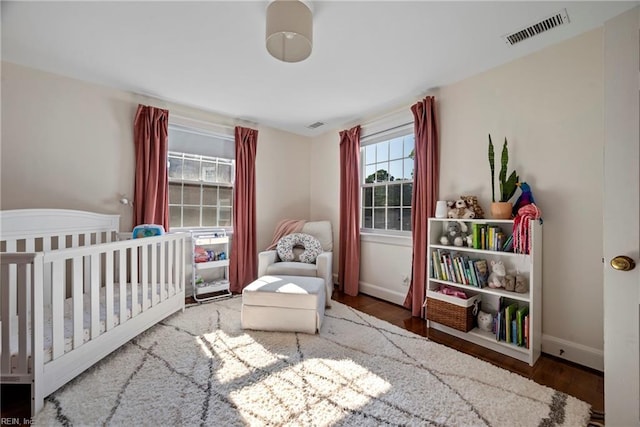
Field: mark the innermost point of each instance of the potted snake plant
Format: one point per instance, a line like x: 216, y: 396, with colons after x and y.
x: 501, y: 209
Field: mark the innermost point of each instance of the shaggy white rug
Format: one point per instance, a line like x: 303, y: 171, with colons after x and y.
x: 200, y: 368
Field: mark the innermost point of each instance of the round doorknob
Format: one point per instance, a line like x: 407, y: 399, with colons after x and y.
x: 623, y: 263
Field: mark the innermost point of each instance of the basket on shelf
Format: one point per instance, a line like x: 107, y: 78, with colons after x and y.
x: 457, y: 313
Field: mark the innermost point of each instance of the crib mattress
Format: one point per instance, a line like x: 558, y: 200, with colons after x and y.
x: 68, y: 320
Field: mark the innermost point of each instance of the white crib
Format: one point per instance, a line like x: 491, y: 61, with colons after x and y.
x: 72, y: 292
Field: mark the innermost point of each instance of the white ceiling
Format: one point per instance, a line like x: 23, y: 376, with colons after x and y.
x: 368, y: 56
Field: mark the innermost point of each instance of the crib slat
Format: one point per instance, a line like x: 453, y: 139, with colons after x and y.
x: 122, y: 261
x: 134, y: 280
x: 154, y: 274
x: 57, y: 308
x: 11, y: 280
x: 30, y: 246
x: 7, y: 318
x: 163, y: 266
x: 74, y: 241
x: 109, y: 289
x: 77, y: 302
x: 95, y: 295
x: 87, y: 265
x: 62, y: 241
x: 37, y: 337
x: 170, y: 289
x: 23, y: 333
x: 145, y: 277
x: 48, y: 281
x: 176, y: 266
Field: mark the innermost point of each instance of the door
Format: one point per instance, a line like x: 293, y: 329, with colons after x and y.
x: 622, y: 219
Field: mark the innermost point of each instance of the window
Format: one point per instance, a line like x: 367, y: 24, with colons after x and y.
x: 387, y: 183
x: 201, y: 175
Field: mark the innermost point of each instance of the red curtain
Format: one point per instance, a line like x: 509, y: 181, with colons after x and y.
x: 151, y: 194
x: 426, y: 178
x: 243, y: 261
x: 349, y: 256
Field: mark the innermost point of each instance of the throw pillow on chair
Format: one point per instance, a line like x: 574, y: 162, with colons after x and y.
x: 311, y: 245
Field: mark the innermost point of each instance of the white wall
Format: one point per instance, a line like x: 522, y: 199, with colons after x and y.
x: 69, y: 144
x: 282, y: 180
x: 549, y: 105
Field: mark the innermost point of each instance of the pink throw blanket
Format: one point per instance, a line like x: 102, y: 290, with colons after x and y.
x: 284, y: 227
x: 521, y: 237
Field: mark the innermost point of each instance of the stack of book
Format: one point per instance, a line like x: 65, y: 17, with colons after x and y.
x: 459, y: 268
x: 491, y: 238
x: 511, y: 323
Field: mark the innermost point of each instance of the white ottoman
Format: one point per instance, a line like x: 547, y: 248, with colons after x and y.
x: 284, y: 303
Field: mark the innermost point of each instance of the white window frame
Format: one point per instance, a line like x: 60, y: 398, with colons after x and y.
x: 201, y: 182
x: 373, y: 138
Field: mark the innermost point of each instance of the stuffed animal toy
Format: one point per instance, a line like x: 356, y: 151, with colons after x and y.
x: 521, y: 286
x: 459, y: 210
x: 455, y: 234
x: 485, y: 321
x: 516, y: 283
x: 472, y: 203
x: 497, y: 278
x: 469, y: 240
x: 509, y: 283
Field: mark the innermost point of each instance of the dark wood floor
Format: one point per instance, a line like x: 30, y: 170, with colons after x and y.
x: 583, y: 383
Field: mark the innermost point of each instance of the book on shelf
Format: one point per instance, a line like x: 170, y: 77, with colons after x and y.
x: 435, y: 264
x: 468, y: 268
x: 482, y: 272
x: 526, y: 331
x: 520, y: 316
x: 472, y: 273
x: 491, y: 303
x: 508, y: 244
x: 456, y: 269
x: 509, y: 315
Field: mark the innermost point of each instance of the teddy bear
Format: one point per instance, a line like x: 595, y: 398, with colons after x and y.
x: 472, y: 203
x: 497, y: 278
x: 458, y: 209
x: 455, y: 233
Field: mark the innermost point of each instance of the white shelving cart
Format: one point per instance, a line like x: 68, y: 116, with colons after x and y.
x: 210, y: 258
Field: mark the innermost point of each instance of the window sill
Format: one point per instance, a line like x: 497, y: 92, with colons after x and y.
x: 404, y: 240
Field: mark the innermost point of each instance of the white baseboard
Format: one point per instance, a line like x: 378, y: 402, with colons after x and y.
x: 574, y: 352
x: 378, y: 292
x: 382, y: 293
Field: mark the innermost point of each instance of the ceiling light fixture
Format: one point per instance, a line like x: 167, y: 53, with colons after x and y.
x: 289, y: 35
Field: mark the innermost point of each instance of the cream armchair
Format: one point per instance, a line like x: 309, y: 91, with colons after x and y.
x: 270, y: 264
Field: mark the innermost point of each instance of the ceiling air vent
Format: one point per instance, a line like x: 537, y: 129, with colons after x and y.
x: 315, y: 125
x: 552, y: 21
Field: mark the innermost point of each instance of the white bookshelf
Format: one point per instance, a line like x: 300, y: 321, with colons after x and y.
x: 528, y: 265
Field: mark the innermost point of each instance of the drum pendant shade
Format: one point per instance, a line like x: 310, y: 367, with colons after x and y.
x: 289, y: 35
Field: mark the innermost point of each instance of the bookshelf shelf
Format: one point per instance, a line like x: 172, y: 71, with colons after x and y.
x: 488, y: 291
x: 480, y: 251
x: 492, y: 300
